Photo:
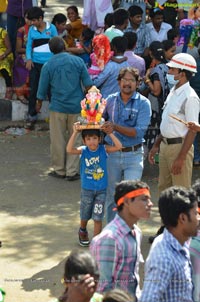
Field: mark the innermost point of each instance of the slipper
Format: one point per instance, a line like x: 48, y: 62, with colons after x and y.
x: 30, y: 125
x: 23, y: 100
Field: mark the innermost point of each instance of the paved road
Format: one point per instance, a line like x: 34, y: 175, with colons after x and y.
x: 39, y: 215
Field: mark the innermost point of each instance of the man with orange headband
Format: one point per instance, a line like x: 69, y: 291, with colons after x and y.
x: 117, y: 247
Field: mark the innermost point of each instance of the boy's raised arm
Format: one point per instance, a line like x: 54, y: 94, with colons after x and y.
x: 117, y: 144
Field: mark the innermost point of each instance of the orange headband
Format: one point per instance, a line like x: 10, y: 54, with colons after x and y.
x: 133, y: 194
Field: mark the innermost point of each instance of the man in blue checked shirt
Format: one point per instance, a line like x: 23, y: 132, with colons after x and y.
x: 127, y: 115
x: 168, y: 270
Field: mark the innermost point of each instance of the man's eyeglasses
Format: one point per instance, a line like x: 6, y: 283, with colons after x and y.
x: 128, y: 80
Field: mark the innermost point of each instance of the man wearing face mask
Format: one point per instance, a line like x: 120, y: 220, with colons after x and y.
x: 171, y: 81
x: 175, y: 141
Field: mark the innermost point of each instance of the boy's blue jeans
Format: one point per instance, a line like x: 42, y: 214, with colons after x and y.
x: 92, y: 204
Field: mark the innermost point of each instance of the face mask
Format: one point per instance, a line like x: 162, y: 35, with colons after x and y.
x: 170, y: 79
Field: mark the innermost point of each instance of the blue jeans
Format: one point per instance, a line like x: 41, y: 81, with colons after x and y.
x: 92, y: 204
x: 121, y: 166
x: 34, y: 82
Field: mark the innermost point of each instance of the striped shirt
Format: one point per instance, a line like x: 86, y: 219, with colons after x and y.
x: 117, y: 252
x: 37, y: 47
x: 142, y: 37
x: 168, y: 273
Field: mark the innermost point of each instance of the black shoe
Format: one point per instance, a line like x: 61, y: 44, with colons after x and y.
x: 54, y: 174
x: 74, y: 177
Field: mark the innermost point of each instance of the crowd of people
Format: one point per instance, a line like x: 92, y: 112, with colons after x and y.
x: 111, y: 272
x: 146, y: 65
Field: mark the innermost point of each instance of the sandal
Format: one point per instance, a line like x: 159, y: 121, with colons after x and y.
x: 30, y: 125
x: 23, y: 100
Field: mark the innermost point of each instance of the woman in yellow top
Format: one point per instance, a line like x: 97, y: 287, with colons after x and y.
x: 75, y: 27
x: 6, y: 61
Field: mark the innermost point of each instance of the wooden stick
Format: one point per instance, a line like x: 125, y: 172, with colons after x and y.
x: 178, y: 119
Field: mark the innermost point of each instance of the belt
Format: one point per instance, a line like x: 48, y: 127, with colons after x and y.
x: 172, y: 141
x: 133, y: 148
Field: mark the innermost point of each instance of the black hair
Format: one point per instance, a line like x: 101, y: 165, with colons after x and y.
x: 196, y: 188
x: 132, y: 70
x: 117, y: 295
x: 167, y: 44
x: 119, y: 44
x: 120, y: 15
x: 56, y: 45
x: 125, y: 187
x: 80, y: 263
x: 90, y: 132
x: 173, y: 202
x: 172, y: 33
x: 135, y: 10
x: 188, y: 74
x: 59, y: 18
x: 26, y: 12
x: 35, y: 12
x: 132, y: 39
x: 157, y: 51
x: 88, y: 34
x: 74, y: 8
x: 155, y: 12
x: 109, y: 20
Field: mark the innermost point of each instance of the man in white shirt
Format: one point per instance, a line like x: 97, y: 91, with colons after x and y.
x: 157, y: 29
x: 175, y: 141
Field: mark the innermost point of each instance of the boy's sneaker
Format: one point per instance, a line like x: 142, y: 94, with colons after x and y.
x: 83, y: 238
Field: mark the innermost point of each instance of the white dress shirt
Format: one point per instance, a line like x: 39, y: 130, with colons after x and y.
x: 153, y: 35
x: 184, y: 103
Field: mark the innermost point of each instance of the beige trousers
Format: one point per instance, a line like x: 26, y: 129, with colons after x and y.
x: 61, y: 128
x: 167, y: 155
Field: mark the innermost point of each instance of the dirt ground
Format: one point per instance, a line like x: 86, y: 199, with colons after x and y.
x: 39, y: 218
